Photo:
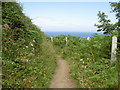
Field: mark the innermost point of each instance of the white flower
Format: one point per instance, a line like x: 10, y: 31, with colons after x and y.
x: 87, y: 58
x: 33, y: 49
x: 33, y: 40
x: 31, y: 44
x: 81, y: 59
x: 26, y: 46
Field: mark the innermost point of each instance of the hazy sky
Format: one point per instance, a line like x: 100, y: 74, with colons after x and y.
x: 66, y: 16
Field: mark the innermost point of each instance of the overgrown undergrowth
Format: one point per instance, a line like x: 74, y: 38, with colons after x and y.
x: 28, y: 59
x: 89, y: 60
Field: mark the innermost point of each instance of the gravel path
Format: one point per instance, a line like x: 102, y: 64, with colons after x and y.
x: 62, y: 77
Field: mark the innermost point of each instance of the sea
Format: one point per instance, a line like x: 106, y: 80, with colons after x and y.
x: 77, y: 34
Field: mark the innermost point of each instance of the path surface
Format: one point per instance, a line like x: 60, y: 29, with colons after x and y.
x: 62, y: 78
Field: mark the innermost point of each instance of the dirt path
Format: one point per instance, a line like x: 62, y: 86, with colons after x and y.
x: 62, y: 78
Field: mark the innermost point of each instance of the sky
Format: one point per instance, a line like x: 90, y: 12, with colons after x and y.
x: 66, y: 16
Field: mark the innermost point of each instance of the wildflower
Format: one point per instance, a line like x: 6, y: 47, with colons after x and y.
x: 33, y: 40
x: 81, y: 59
x: 87, y: 58
x: 26, y: 46
x: 6, y: 26
x: 31, y: 44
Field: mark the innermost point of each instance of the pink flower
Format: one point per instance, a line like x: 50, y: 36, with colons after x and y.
x: 6, y: 26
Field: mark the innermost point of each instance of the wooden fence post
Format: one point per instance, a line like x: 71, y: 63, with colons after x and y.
x: 88, y: 38
x: 114, y: 47
x: 66, y: 41
x: 52, y: 39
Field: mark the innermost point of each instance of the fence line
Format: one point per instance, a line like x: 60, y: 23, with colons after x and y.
x: 113, y: 49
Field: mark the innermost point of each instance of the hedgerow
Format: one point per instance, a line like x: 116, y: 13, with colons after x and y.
x: 24, y: 62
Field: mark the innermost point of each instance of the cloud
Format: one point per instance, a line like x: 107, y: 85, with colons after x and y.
x: 46, y: 22
x: 52, y: 24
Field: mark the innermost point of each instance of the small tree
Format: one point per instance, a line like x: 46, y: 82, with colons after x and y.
x: 105, y: 24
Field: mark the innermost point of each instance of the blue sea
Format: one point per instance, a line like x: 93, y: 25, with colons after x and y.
x: 77, y: 34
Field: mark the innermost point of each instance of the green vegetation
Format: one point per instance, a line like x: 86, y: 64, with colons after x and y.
x: 89, y: 60
x: 106, y: 25
x: 28, y: 58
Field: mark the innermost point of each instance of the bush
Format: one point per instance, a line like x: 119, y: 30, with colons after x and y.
x: 25, y: 63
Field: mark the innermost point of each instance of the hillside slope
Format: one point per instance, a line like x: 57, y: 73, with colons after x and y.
x: 26, y: 54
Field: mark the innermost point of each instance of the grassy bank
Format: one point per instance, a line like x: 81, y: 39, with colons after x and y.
x: 28, y: 59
